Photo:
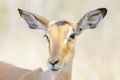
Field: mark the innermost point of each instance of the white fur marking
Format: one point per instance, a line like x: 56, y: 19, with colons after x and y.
x: 68, y: 35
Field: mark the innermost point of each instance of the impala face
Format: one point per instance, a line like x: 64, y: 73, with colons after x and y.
x: 61, y: 35
x: 61, y: 38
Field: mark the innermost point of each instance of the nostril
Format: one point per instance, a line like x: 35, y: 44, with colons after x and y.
x: 55, y: 62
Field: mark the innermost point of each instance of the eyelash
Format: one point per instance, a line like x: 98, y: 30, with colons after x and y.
x: 47, y: 38
x: 72, y: 36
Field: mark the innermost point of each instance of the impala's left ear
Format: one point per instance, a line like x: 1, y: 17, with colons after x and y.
x: 91, y: 19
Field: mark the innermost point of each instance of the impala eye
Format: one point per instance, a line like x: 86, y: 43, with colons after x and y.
x: 72, y: 36
x: 47, y: 38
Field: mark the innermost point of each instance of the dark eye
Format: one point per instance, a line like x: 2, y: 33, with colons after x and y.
x: 80, y: 29
x: 47, y: 38
x: 72, y: 36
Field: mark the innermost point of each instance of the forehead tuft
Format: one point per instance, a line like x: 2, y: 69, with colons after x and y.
x: 61, y: 26
x: 61, y: 23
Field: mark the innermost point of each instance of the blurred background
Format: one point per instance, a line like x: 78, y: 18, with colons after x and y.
x: 97, y: 51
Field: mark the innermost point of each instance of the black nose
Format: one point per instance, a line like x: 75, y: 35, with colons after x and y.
x: 53, y: 63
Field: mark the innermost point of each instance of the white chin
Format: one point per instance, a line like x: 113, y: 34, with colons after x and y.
x: 54, y: 69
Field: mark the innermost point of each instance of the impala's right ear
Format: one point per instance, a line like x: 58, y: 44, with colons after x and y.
x: 34, y: 21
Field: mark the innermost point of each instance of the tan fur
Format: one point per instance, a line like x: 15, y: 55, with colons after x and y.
x: 42, y: 20
x: 10, y: 72
x: 65, y: 52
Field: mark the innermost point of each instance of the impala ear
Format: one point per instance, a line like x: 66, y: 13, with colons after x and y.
x: 34, y: 21
x: 91, y: 19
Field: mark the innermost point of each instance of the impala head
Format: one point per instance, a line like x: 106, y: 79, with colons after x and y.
x: 61, y: 35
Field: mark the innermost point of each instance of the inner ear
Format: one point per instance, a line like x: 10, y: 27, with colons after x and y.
x: 34, y: 21
x: 91, y: 19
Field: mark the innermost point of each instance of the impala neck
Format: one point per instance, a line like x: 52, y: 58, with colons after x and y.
x: 64, y: 75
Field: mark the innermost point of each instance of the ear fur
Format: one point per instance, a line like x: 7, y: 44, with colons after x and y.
x: 34, y: 21
x: 91, y: 19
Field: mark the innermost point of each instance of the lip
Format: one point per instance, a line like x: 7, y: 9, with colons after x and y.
x: 53, y: 69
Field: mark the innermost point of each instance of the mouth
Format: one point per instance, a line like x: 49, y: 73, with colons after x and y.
x: 53, y: 69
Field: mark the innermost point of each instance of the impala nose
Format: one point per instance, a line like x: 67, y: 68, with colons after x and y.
x: 53, y: 65
x: 54, y: 62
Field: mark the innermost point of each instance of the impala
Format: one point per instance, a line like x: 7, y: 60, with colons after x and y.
x: 61, y: 36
